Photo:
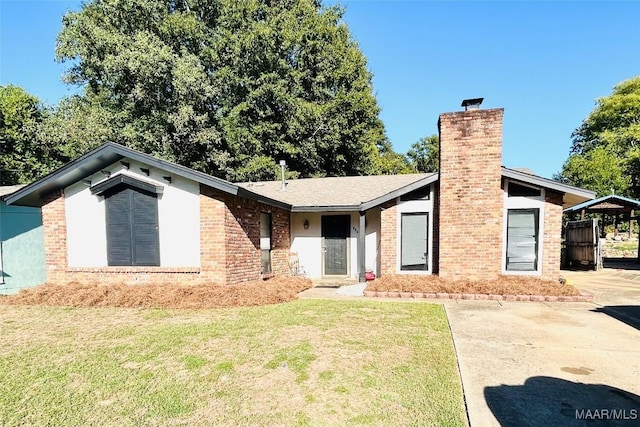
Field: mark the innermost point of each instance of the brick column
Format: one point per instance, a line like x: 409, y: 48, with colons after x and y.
x: 388, y: 238
x: 552, y: 239
x: 212, y: 237
x: 54, y: 227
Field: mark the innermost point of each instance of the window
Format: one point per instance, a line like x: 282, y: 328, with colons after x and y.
x: 414, y: 241
x: 522, y: 239
x: 265, y: 241
x: 517, y: 190
x: 132, y: 227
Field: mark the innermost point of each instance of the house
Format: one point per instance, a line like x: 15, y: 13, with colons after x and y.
x: 21, y: 245
x: 118, y: 215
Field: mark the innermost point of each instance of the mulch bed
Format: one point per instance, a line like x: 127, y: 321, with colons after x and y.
x: 273, y: 291
x: 503, y: 285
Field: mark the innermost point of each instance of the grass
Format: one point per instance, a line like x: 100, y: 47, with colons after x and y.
x: 622, y: 246
x: 308, y: 362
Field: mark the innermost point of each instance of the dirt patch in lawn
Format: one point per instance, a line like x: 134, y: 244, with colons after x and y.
x: 503, y: 285
x: 261, y: 292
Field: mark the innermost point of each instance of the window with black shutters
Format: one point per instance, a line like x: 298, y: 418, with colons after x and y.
x: 132, y: 227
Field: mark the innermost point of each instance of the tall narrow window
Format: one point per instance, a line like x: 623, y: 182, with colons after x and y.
x: 522, y: 239
x: 265, y: 241
x: 414, y: 241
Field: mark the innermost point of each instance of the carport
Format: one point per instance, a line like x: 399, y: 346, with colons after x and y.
x: 617, y: 208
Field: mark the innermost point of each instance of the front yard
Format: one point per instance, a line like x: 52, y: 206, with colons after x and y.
x: 308, y: 362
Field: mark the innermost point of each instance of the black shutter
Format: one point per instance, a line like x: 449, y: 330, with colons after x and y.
x: 119, y: 242
x: 146, y: 245
x: 132, y: 228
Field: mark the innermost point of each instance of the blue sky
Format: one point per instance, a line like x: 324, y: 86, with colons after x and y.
x: 545, y: 63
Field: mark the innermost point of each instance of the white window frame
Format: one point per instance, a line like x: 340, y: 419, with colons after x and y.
x: 415, y: 206
x: 523, y: 203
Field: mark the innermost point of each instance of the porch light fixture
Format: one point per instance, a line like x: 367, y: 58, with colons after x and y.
x: 306, y: 224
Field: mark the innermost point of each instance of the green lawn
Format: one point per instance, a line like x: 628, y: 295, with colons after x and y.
x: 309, y: 362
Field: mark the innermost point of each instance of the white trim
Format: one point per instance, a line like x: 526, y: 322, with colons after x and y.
x: 415, y: 206
x: 523, y: 203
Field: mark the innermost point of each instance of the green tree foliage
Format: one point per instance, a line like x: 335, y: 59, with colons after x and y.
x: 424, y: 154
x: 389, y: 162
x: 605, y: 154
x: 23, y: 157
x: 223, y: 86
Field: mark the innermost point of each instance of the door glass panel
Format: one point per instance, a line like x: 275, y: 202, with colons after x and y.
x: 522, y: 239
x: 414, y: 241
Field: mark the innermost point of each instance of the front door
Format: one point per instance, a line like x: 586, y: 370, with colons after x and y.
x: 335, y: 231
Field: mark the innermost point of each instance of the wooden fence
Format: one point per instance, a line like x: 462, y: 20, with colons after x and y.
x: 582, y: 245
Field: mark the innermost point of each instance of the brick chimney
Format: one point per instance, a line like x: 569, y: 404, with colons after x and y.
x: 470, y: 202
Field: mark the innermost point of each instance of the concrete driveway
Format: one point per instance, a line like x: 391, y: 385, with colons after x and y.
x: 556, y: 364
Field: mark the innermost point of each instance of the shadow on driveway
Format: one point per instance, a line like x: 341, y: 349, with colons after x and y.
x: 621, y: 263
x: 548, y: 401
x: 629, y: 314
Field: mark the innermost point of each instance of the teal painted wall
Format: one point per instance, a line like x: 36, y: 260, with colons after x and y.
x: 22, y: 252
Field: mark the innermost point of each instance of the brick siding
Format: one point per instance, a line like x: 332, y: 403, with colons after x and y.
x: 388, y: 238
x: 552, y: 239
x: 470, y: 198
x: 54, y: 227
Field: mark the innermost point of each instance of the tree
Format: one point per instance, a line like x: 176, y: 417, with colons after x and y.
x: 605, y: 154
x: 226, y: 87
x: 424, y: 154
x: 391, y: 163
x: 23, y: 157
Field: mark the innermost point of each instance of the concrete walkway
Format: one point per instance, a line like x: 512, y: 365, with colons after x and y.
x: 533, y: 364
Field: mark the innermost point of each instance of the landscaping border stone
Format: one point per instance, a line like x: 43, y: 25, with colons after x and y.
x: 483, y: 297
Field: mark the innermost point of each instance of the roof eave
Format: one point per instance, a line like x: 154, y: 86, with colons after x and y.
x: 328, y: 208
x: 548, y: 183
x: 399, y: 192
x: 248, y: 194
x: 98, y: 158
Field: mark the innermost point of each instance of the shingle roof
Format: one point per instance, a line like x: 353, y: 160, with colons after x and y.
x: 347, y: 192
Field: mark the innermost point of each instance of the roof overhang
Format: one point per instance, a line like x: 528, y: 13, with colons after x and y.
x: 572, y: 195
x: 107, y: 154
x: 332, y: 208
x: 104, y: 186
x: 364, y: 206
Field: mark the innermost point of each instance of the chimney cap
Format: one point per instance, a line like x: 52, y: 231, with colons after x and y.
x: 472, y: 104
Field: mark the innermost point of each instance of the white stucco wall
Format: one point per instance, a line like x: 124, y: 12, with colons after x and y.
x: 308, y: 243
x: 178, y: 219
